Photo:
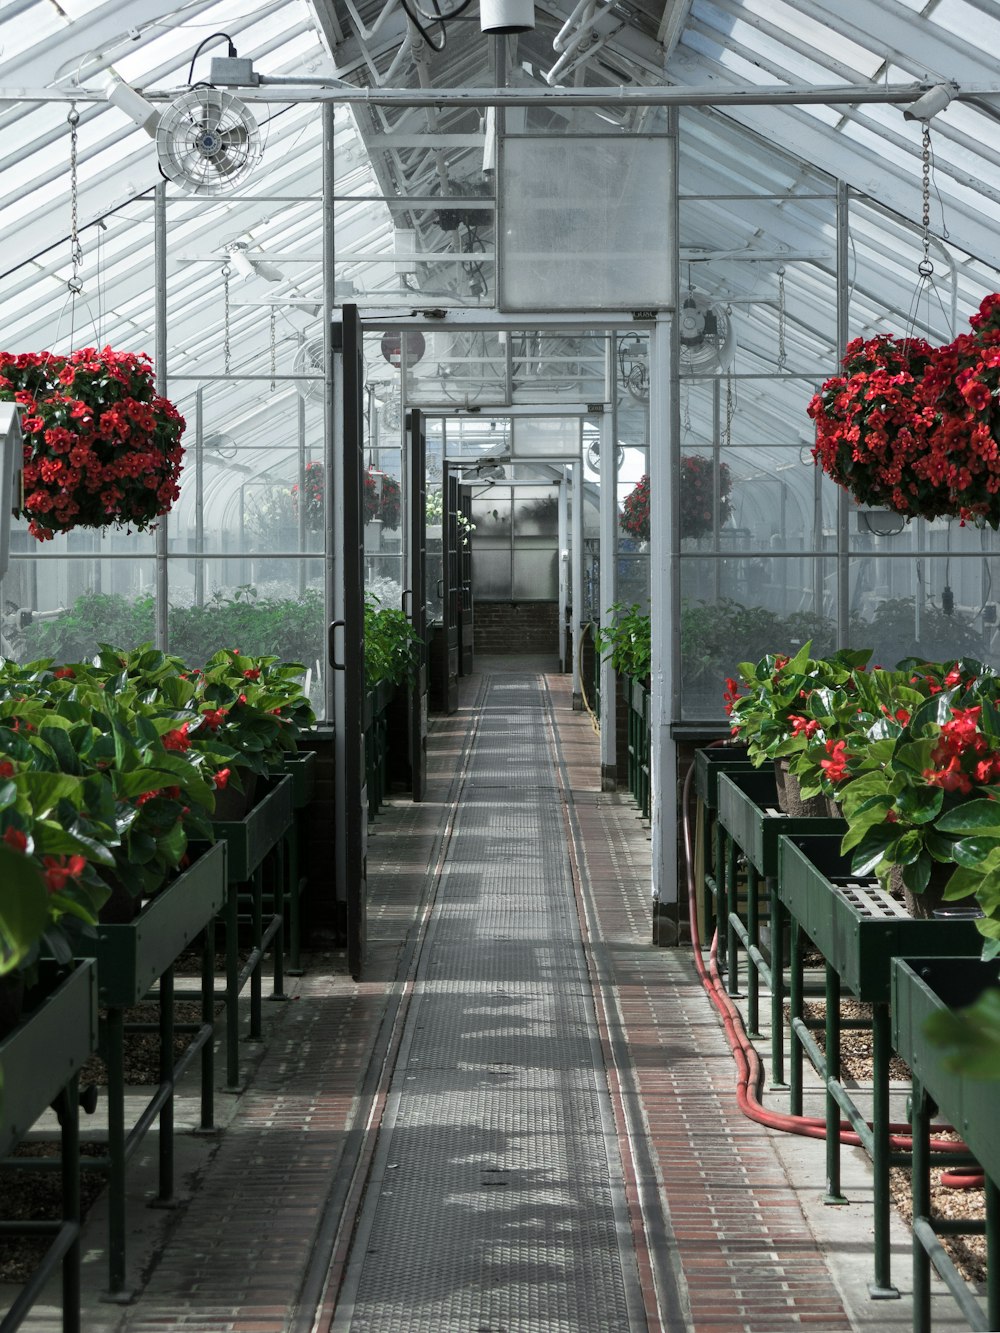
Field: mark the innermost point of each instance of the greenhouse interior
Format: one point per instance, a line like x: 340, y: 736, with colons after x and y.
x: 500, y: 666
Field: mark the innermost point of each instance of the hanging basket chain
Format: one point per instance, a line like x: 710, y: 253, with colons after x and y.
x: 926, y: 267
x: 226, y: 352
x: 782, y: 356
x: 74, y: 284
x: 274, y: 351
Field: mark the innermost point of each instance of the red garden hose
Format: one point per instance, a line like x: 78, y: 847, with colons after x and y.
x: 750, y: 1072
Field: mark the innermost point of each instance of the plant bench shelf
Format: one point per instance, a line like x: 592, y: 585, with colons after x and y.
x: 753, y: 824
x: 131, y: 957
x: 41, y: 1061
x: 859, y: 929
x: 261, y: 836
x: 922, y: 987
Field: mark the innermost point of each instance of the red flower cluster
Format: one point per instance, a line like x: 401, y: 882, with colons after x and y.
x: 102, y: 447
x: 382, y: 498
x: 835, y: 767
x: 914, y: 428
x: 807, y: 727
x: 730, y: 694
x: 312, y: 496
x: 60, y: 869
x: 963, y: 754
x: 699, y: 481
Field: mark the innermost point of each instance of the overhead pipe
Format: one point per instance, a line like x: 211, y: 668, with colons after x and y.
x: 561, y: 67
x: 567, y: 27
x: 366, y: 34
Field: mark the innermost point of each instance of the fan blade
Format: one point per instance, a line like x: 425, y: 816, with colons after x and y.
x: 225, y: 165
x: 211, y: 115
x: 234, y: 136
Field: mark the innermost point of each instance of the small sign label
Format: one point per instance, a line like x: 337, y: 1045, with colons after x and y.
x: 644, y: 314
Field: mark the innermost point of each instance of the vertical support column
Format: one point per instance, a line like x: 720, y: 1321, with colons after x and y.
x: 332, y: 414
x: 160, y: 319
x: 576, y: 578
x: 563, y: 569
x: 199, y: 495
x: 608, y: 575
x: 663, y: 571
x: 302, y: 492
x: 843, y: 509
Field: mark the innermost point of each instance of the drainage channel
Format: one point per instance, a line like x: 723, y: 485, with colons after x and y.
x: 495, y: 1201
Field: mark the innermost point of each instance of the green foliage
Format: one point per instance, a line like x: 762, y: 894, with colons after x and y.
x: 971, y: 1036
x: 627, y: 640
x: 290, y: 628
x: 392, y: 647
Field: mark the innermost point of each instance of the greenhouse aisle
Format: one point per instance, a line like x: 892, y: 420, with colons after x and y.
x: 523, y: 1119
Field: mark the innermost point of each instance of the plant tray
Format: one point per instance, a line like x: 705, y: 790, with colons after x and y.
x: 251, y: 838
x: 748, y: 811
x: 924, y: 986
x: 131, y: 957
x: 854, y: 923
x: 45, y: 1050
x: 708, y: 764
x: 302, y: 771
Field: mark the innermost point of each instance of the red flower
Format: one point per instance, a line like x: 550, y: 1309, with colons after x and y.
x: 835, y: 767
x: 63, y: 673
x: 178, y: 739
x: 145, y: 796
x: 13, y: 837
x: 221, y: 778
x: 804, y: 727
x: 252, y: 674
x: 59, y: 870
x: 6, y: 769
x: 213, y: 717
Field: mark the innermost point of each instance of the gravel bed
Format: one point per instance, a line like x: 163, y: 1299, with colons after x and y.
x: 36, y: 1196
x: 142, y: 1049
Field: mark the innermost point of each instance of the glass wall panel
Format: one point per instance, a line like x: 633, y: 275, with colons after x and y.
x: 736, y: 610
x: 63, y: 605
x: 585, y: 223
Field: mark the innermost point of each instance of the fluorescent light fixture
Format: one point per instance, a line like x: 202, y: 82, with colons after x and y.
x: 125, y: 98
x: 927, y: 106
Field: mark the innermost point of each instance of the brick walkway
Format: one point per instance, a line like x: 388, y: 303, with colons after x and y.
x: 730, y: 1249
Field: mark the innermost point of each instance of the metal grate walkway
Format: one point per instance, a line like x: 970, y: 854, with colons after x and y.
x: 496, y: 1202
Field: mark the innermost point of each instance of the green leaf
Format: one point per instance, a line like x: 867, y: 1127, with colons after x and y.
x: 972, y: 852
x: 874, y: 848
x: 45, y: 790
x: 920, y: 805
x: 23, y: 907
x: 976, y: 816
x: 970, y: 1037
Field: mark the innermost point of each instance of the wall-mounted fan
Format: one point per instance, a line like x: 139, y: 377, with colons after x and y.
x: 594, y: 456
x: 309, y: 360
x: 207, y: 141
x: 706, y: 335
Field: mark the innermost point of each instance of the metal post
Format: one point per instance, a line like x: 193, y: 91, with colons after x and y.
x: 920, y: 1168
x: 199, y: 496
x: 576, y: 577
x: 160, y: 289
x: 302, y: 495
x: 843, y: 510
x: 663, y: 572
x: 882, y: 1288
x: 114, y: 1036
x: 332, y: 403
x: 166, y: 1126
x: 563, y: 568
x: 608, y: 580
x: 832, y: 1064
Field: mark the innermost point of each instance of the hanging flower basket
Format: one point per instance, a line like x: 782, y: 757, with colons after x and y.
x: 102, y: 448
x: 312, y: 497
x: 914, y: 428
x: 382, y: 499
x: 700, y: 481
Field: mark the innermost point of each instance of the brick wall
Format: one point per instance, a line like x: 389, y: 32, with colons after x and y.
x: 516, y: 627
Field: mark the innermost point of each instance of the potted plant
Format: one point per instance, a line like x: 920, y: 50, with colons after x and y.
x: 921, y: 799
x: 771, y: 718
x: 102, y: 446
